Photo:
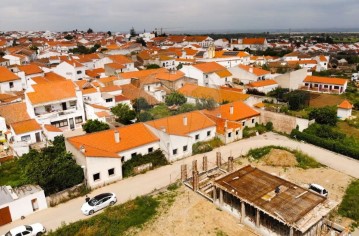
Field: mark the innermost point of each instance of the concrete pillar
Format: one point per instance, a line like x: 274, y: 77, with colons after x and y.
x: 220, y: 197
x: 195, y: 179
x: 218, y: 159
x: 243, y: 211
x: 194, y: 165
x: 291, y: 231
x: 214, y: 194
x: 258, y: 214
x: 230, y: 164
x: 183, y: 172
x: 205, y: 164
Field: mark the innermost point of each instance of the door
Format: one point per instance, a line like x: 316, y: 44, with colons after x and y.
x: 64, y: 106
x: 37, y: 135
x: 35, y: 205
x: 5, y: 216
x: 72, y: 124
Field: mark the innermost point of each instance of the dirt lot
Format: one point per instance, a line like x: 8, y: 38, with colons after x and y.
x: 321, y: 100
x: 191, y: 214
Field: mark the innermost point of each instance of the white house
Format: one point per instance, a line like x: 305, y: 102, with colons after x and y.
x: 247, y: 74
x: 178, y: 133
x: 27, y: 72
x: 28, y: 131
x: 57, y: 103
x: 9, y: 81
x: 17, y: 59
x: 325, y: 84
x: 264, y: 86
x: 210, y: 74
x: 50, y: 132
x: 19, y: 202
x: 344, y: 110
x: 73, y: 70
x: 102, y: 153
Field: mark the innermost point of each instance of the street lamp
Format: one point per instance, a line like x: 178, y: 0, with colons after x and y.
x: 85, y: 179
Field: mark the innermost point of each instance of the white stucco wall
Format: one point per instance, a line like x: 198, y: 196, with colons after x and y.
x: 344, y: 113
x: 101, y: 165
x: 5, y: 86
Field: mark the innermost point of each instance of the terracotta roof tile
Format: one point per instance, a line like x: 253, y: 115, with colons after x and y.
x: 170, y: 76
x: 142, y: 73
x: 256, y: 71
x: 222, y: 123
x: 102, y: 144
x: 345, y: 105
x: 223, y: 73
x: 209, y: 67
x: 262, y: 83
x: 30, y: 69
x: 52, y: 128
x: 14, y: 112
x: 6, y: 75
x: 132, y: 92
x: 325, y: 80
x: 240, y: 111
x: 253, y: 40
x: 25, y: 126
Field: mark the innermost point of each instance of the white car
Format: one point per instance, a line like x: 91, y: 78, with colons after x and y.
x: 98, y: 202
x: 28, y: 230
x: 318, y: 189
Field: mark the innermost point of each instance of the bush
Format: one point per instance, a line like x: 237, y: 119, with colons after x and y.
x: 349, y: 207
x: 298, y: 99
x: 324, y: 115
x: 157, y: 158
x: 94, y: 126
x: 201, y: 147
x: 255, y: 92
x: 269, y: 126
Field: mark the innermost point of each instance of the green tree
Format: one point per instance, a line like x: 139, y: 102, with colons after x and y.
x: 89, y: 31
x: 109, y: 33
x: 140, y: 104
x: 186, y: 107
x: 325, y: 115
x: 160, y: 111
x: 53, y: 168
x: 180, y: 65
x: 124, y: 113
x: 205, y: 103
x: 94, y: 126
x: 175, y: 98
x: 141, y: 41
x: 152, y: 66
x: 132, y: 32
x: 144, y: 116
x: 298, y: 99
x: 69, y: 37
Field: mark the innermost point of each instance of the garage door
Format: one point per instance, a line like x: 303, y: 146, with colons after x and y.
x: 5, y: 216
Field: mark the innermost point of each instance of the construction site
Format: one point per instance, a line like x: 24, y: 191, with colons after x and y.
x: 264, y: 202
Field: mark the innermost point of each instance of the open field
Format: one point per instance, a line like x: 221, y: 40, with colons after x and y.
x: 321, y: 100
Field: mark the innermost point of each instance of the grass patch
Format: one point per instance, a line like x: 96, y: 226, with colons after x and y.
x: 349, y: 207
x: 202, y: 147
x: 220, y: 233
x: 115, y: 220
x: 304, y: 161
x: 10, y: 173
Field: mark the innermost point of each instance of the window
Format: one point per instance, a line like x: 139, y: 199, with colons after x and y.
x: 61, y: 123
x: 11, y: 84
x: 150, y: 150
x: 229, y: 134
x: 25, y: 138
x: 79, y: 72
x: 208, y: 133
x: 253, y: 121
x: 133, y: 154
x: 185, y: 148
x: 243, y: 123
x: 96, y: 176
x: 111, y: 171
x: 78, y: 119
x: 174, y: 151
x: 206, y: 76
x: 197, y: 136
x: 109, y: 99
x: 72, y: 103
x: 237, y: 132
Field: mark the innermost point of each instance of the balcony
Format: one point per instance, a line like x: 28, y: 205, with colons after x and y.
x: 55, y: 114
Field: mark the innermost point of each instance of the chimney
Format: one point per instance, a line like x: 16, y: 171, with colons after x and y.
x: 163, y: 129
x: 225, y: 125
x: 231, y: 109
x: 185, y: 120
x: 251, y: 69
x: 117, y: 136
x: 82, y: 149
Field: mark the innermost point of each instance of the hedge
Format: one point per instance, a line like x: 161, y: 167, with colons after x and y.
x: 333, y: 145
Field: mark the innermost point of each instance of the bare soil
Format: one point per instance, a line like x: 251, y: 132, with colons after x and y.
x: 321, y: 100
x: 278, y: 157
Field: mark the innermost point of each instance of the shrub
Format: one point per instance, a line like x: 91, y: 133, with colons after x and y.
x: 349, y: 207
x: 94, y: 126
x: 298, y: 99
x: 201, y: 147
x: 157, y: 158
x: 324, y: 115
x: 269, y: 126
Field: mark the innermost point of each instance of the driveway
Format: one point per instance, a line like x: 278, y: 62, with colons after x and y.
x: 159, y: 178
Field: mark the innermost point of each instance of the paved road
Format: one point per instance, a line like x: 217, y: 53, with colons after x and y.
x: 143, y: 184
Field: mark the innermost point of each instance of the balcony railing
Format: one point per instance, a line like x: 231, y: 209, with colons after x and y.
x: 54, y: 114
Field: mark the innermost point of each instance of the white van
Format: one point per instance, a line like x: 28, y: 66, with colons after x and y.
x: 318, y: 189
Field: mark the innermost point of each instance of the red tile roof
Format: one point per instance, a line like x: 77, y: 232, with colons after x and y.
x: 240, y: 111
x: 262, y: 83
x: 345, y: 105
x: 25, y: 126
x: 6, y: 75
x: 325, y: 80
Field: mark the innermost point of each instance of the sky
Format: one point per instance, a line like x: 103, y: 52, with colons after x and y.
x: 181, y: 15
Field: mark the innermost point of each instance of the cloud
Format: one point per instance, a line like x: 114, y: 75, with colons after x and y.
x: 103, y: 15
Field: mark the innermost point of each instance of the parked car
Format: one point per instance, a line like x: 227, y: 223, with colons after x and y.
x: 318, y: 189
x: 36, y: 229
x: 98, y: 202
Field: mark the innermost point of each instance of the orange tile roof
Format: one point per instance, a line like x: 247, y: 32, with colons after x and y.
x: 240, y: 111
x: 222, y: 123
x: 95, y: 72
x: 307, y: 62
x: 262, y: 83
x: 52, y: 128
x: 325, y: 80
x: 14, y: 112
x: 102, y: 114
x: 102, y: 144
x: 107, y: 80
x: 219, y: 95
x: 253, y: 41
x: 190, y: 51
x: 6, y: 75
x: 120, y: 98
x: 120, y: 59
x: 209, y: 67
x: 259, y: 105
x: 110, y: 88
x: 256, y: 71
x: 115, y: 65
x: 175, y: 124
x: 322, y: 58
x: 345, y: 105
x: 170, y: 76
x: 186, y: 60
x: 99, y: 107
x: 54, y: 91
x: 25, y: 126
x: 223, y: 73
x: 132, y: 92
x: 142, y: 73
